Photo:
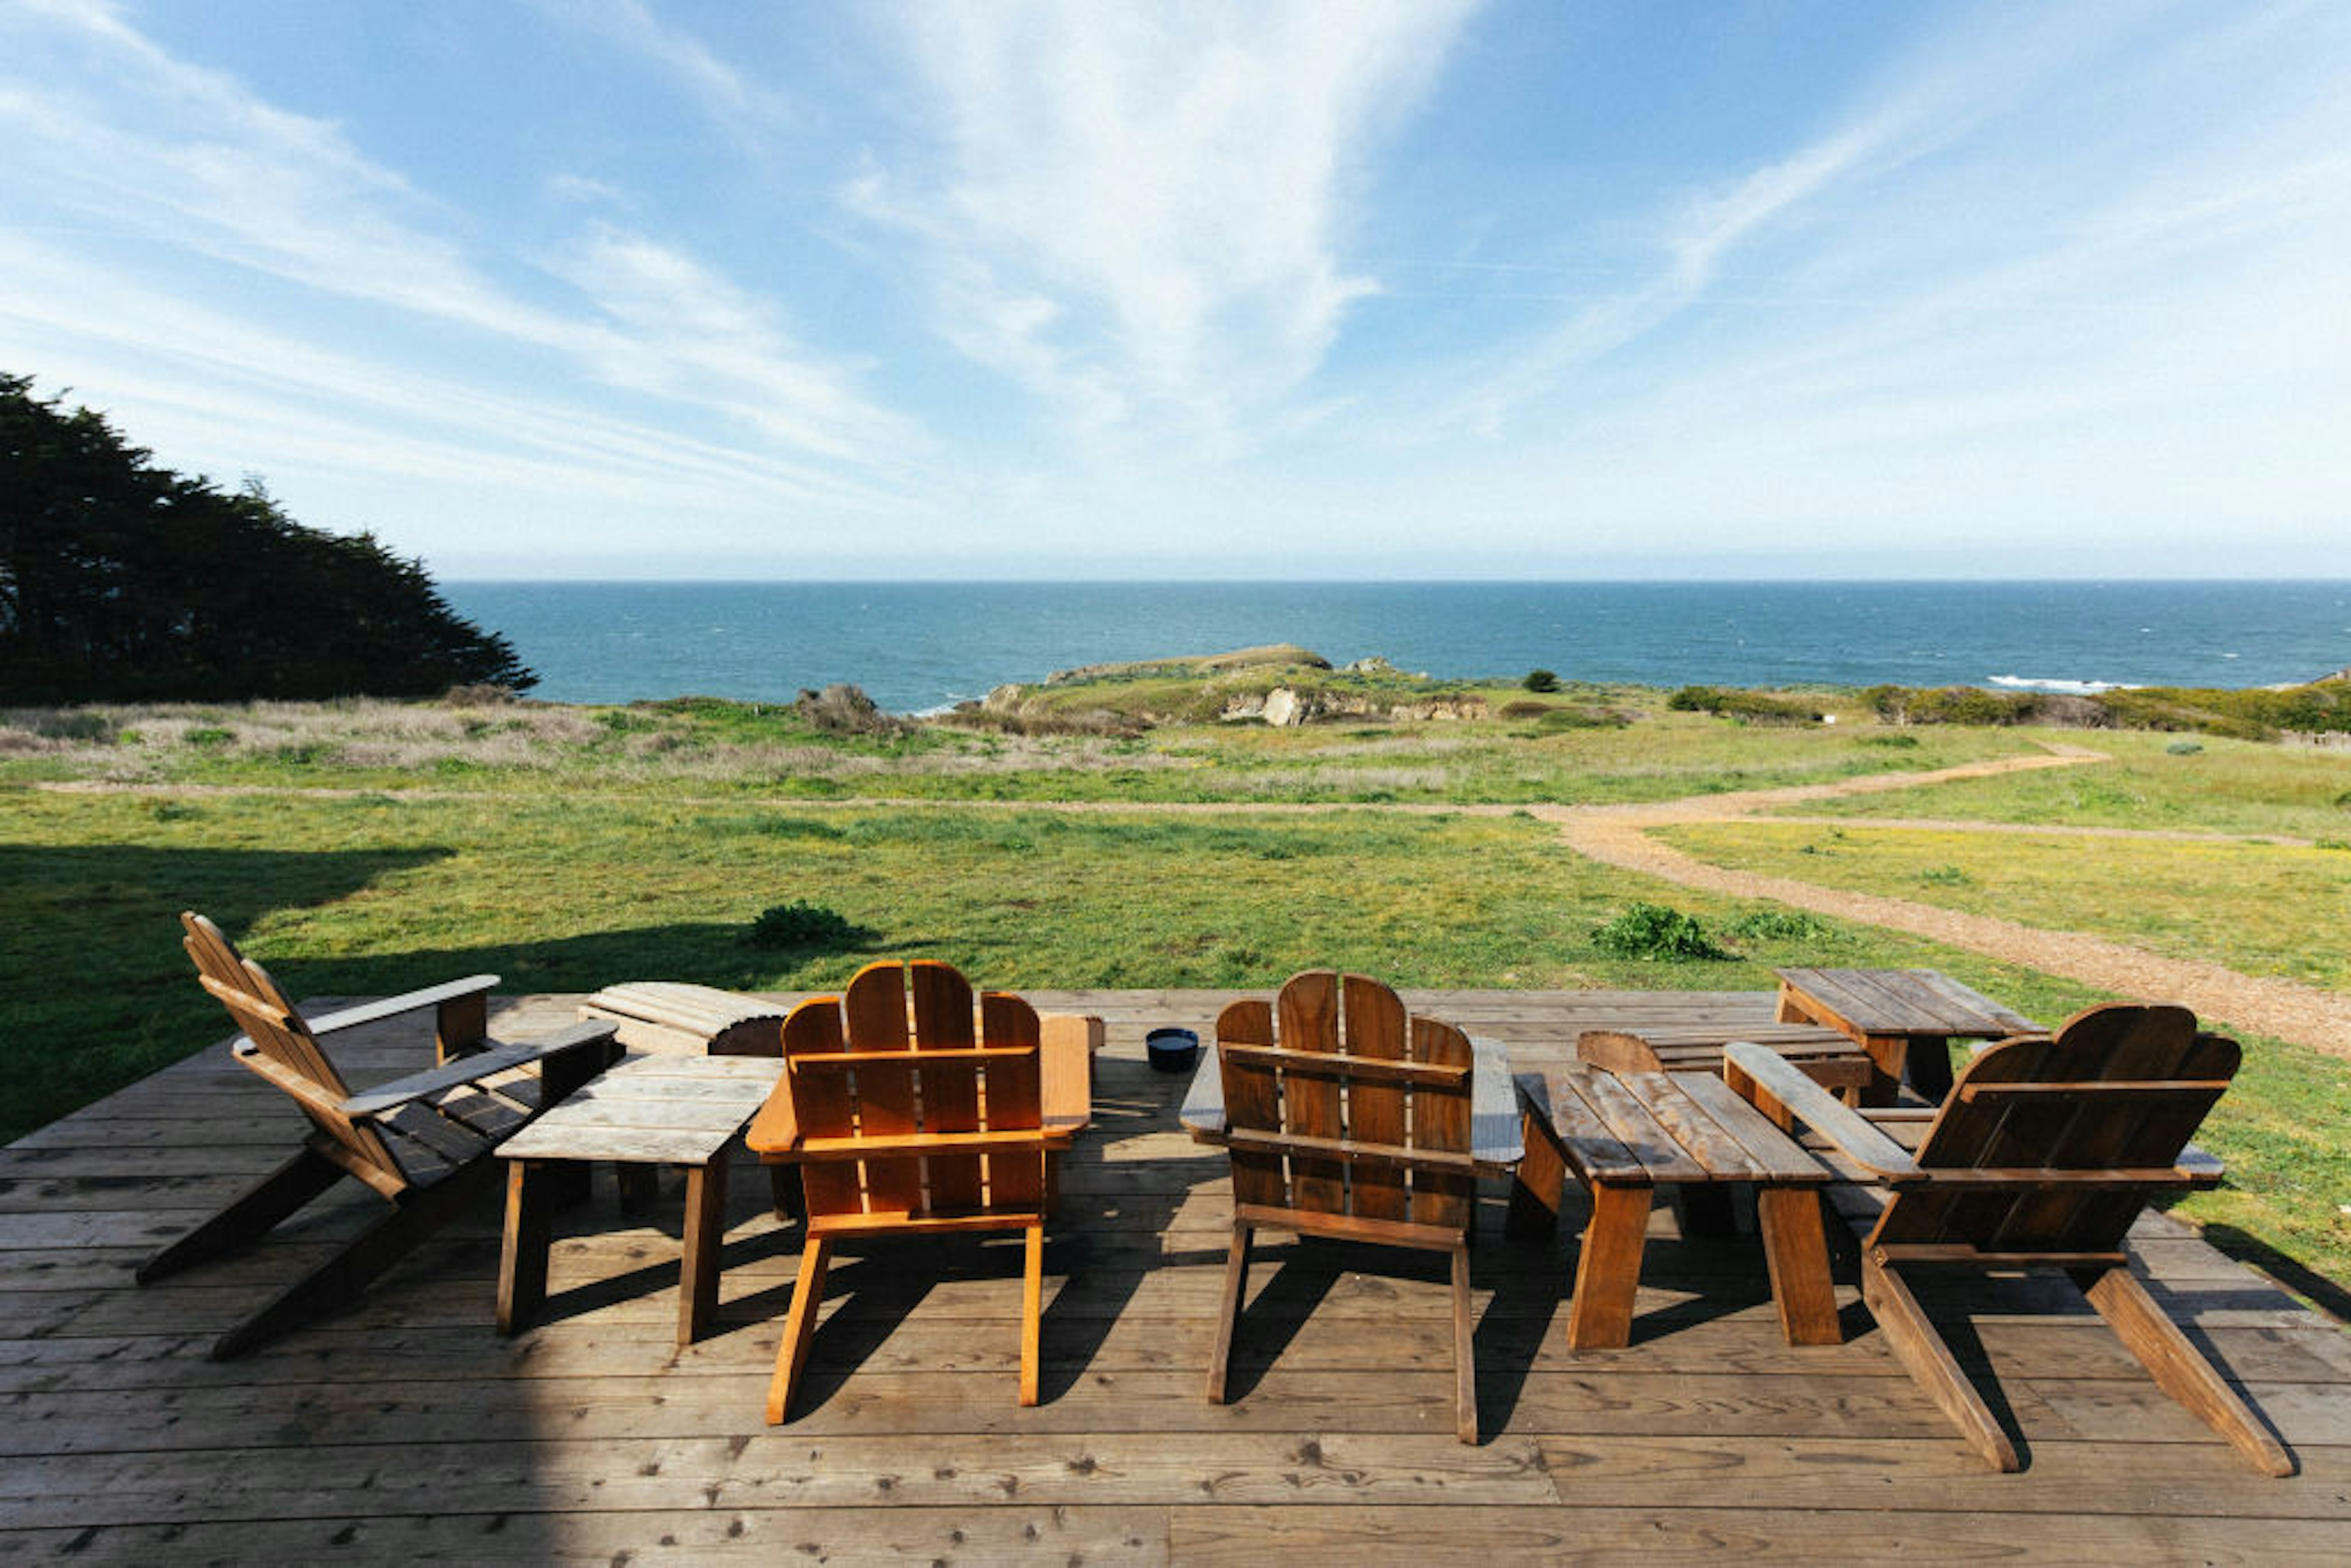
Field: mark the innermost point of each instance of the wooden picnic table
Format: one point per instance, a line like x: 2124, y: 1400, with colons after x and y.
x: 1905, y: 1019
x: 1626, y: 1134
x: 649, y: 1111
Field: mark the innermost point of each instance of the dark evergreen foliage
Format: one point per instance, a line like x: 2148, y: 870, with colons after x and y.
x: 120, y: 581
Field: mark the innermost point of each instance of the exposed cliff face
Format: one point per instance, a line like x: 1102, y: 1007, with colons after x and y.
x: 1286, y: 705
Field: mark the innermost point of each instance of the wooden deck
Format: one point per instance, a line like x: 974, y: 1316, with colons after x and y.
x: 407, y: 1428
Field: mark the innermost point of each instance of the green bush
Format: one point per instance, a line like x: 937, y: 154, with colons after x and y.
x: 1742, y: 707
x: 1656, y: 933
x: 1540, y: 681
x: 1779, y: 926
x: 802, y: 924
x: 208, y: 737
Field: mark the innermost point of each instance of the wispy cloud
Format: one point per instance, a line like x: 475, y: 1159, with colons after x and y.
x: 746, y: 107
x: 1142, y: 206
x: 149, y: 148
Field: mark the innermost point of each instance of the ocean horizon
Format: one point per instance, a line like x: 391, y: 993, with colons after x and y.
x: 923, y: 646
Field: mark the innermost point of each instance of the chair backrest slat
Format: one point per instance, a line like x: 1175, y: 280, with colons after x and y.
x: 948, y: 1095
x: 874, y: 1010
x: 1253, y: 1101
x: 1377, y: 1112
x: 1306, y: 1018
x: 824, y: 1104
x: 1012, y: 1099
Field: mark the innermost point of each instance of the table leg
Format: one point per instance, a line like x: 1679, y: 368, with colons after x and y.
x: 1536, y: 1186
x: 1796, y: 1252
x: 706, y: 1238
x: 1609, y: 1269
x: 1930, y: 1069
x: 522, y: 1257
x: 1892, y: 1054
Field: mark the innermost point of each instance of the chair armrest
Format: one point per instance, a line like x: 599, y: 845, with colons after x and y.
x: 481, y: 1064
x: 1204, y: 1101
x: 775, y: 1128
x: 1775, y: 1084
x: 392, y: 1007
x: 1494, y: 1123
x: 1065, y: 1068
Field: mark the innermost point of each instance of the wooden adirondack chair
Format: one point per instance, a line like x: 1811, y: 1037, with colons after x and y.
x: 419, y: 1142
x: 1369, y: 1110
x: 2042, y: 1158
x: 907, y: 1119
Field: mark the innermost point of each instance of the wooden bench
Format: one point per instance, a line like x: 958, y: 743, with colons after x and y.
x: 668, y: 1018
x: 1623, y: 1136
x: 1827, y: 1056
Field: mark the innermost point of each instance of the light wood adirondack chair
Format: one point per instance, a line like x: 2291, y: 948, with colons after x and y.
x: 1345, y: 1117
x: 419, y: 1142
x: 907, y: 1119
x: 2043, y: 1155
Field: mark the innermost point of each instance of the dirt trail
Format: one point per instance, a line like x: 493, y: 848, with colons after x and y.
x: 1618, y: 835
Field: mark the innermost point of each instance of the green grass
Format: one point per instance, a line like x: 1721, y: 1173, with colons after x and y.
x: 2228, y: 786
x: 372, y: 893
x: 2262, y: 909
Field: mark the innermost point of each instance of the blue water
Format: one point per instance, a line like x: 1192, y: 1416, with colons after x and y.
x: 915, y: 646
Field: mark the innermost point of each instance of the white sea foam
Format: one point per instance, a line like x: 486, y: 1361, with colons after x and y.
x: 2051, y: 684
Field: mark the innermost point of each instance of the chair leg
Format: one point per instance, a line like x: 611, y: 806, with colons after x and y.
x: 1465, y: 1362
x: 1032, y: 1311
x: 1912, y: 1337
x: 2178, y: 1369
x: 415, y: 1215
x: 1236, y: 1285
x: 250, y: 1217
x: 799, y: 1327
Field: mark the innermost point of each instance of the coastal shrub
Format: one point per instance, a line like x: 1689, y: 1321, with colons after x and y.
x: 1542, y: 681
x: 72, y: 726
x: 208, y: 737
x: 1523, y: 708
x: 802, y: 924
x: 1656, y: 933
x: 2182, y: 748
x: 1570, y: 717
x: 1779, y: 926
x: 1892, y: 742
x: 1742, y: 707
x: 1946, y: 876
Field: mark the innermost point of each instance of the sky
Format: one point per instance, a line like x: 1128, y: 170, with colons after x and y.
x: 1553, y: 289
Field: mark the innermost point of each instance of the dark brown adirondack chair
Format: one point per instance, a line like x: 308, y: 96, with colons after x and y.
x: 419, y: 1142
x: 1347, y: 1118
x: 908, y: 1116
x: 2043, y: 1155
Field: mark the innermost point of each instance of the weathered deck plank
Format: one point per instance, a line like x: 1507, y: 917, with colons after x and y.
x: 406, y: 1427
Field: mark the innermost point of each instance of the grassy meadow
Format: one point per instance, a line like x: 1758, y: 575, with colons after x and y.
x: 362, y: 848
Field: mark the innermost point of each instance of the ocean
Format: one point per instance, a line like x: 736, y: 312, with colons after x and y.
x: 919, y: 646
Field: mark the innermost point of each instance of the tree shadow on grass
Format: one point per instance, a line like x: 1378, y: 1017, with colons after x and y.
x: 95, y: 991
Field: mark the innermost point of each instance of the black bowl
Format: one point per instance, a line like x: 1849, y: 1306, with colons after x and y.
x: 1172, y: 1049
